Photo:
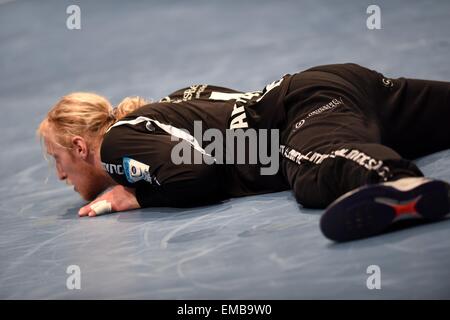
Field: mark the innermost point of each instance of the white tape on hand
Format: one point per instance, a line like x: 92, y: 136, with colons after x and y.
x: 101, y: 207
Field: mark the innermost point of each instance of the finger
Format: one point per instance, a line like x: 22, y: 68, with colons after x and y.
x: 84, y: 211
x: 100, y: 207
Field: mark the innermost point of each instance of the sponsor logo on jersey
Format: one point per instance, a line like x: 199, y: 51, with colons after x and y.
x: 194, y: 90
x: 112, y: 168
x: 190, y: 93
x: 299, y: 124
x: 388, y: 83
x: 355, y: 155
x: 329, y: 106
x: 136, y: 171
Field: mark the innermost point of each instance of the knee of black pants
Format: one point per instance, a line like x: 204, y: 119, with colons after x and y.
x: 315, y: 186
x: 309, y: 198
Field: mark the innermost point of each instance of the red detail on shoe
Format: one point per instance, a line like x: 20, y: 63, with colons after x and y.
x: 408, y: 208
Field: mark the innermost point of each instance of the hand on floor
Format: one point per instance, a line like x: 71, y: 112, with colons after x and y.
x: 119, y: 198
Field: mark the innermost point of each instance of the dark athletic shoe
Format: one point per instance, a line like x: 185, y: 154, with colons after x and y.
x: 371, y: 209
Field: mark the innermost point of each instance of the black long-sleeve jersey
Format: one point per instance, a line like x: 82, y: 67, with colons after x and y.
x: 340, y: 126
x: 137, y: 150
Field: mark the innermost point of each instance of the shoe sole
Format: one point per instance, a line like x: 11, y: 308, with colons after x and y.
x: 371, y: 209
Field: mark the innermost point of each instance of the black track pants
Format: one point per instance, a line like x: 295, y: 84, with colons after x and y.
x: 348, y: 126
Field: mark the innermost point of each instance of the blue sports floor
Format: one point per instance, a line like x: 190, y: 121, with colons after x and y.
x: 261, y: 247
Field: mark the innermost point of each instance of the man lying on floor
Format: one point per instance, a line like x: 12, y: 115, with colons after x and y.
x: 341, y: 136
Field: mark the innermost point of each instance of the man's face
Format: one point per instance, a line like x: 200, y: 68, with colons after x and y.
x: 87, y: 180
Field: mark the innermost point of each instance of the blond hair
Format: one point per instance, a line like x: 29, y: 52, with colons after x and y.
x: 84, y: 114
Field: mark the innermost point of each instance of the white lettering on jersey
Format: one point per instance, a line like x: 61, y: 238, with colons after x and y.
x: 238, y: 114
x: 355, y: 155
x: 112, y: 168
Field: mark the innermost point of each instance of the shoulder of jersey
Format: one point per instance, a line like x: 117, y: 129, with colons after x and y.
x: 197, y: 91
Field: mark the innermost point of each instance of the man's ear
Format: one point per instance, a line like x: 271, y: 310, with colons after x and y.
x: 80, y: 147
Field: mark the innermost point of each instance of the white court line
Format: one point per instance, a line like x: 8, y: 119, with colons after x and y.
x: 167, y: 237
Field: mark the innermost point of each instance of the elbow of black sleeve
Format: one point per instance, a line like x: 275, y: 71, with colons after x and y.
x: 206, y: 187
